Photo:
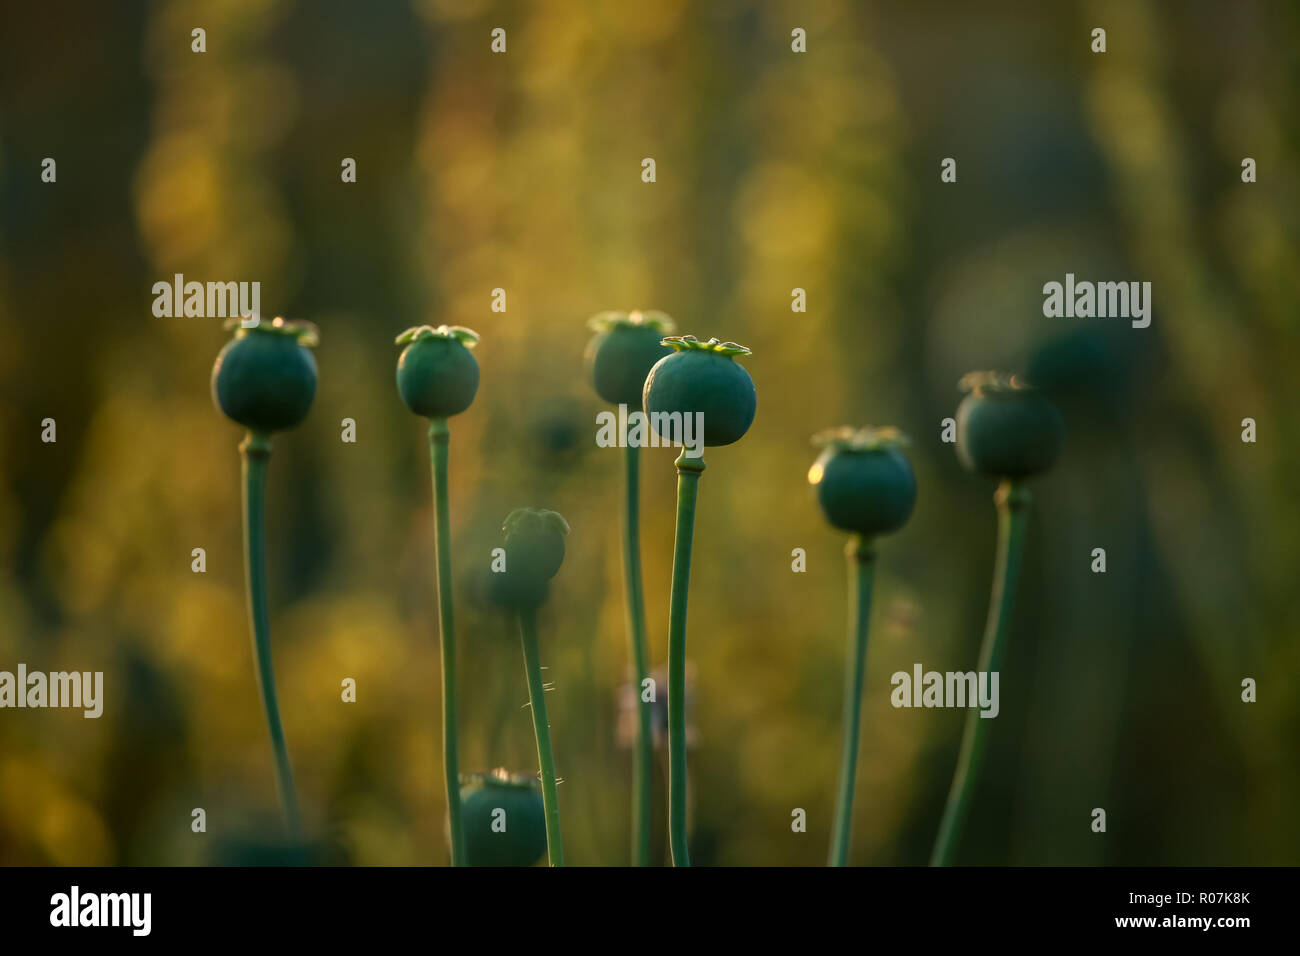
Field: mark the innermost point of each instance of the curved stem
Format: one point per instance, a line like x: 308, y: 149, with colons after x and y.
x: 255, y: 450
x: 642, y: 764
x: 542, y: 728
x: 862, y: 562
x: 688, y: 479
x: 1012, y: 500
x: 439, y: 440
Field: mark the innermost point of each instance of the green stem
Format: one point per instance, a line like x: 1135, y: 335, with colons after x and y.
x: 542, y: 728
x: 256, y: 451
x: 688, y: 479
x: 862, y: 562
x: 1012, y: 500
x: 439, y: 440
x: 642, y: 765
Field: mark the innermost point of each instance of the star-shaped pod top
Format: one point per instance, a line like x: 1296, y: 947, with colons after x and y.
x: 265, y: 377
x: 437, y: 376
x: 466, y: 337
x: 868, y: 438
x: 1005, y: 427
x: 992, y: 383
x: 305, y: 332
x: 622, y: 352
x: 689, y: 343
x: 864, y: 482
x: 652, y: 319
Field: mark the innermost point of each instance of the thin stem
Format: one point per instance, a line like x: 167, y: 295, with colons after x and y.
x: 862, y: 563
x: 1012, y: 500
x: 255, y: 450
x: 439, y: 440
x: 642, y: 764
x: 542, y: 728
x: 688, y: 479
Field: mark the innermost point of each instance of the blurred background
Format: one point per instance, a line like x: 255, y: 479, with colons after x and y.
x: 775, y: 171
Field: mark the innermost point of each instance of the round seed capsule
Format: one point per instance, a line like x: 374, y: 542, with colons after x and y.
x: 265, y: 377
x: 1006, y: 428
x: 437, y: 375
x: 703, y: 378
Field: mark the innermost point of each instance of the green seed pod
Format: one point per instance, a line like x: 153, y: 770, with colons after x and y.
x: 515, y: 837
x: 264, y: 378
x: 437, y: 375
x: 626, y: 346
x: 1005, y: 428
x: 864, y: 482
x: 534, y: 552
x: 703, y: 377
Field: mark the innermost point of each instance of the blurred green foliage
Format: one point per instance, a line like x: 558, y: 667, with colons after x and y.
x: 775, y: 171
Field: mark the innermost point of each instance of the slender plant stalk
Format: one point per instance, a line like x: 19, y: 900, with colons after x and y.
x: 255, y: 450
x: 542, y: 728
x: 642, y: 765
x: 1012, y: 499
x: 688, y: 479
x: 861, y: 557
x: 439, y: 440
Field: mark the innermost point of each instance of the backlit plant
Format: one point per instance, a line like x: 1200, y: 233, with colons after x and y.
x: 534, y: 551
x: 626, y: 346
x: 865, y: 486
x: 437, y: 377
x: 1008, y: 431
x: 265, y: 379
x: 699, y: 378
x: 504, y: 819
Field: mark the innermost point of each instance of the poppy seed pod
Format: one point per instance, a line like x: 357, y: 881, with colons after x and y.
x: 626, y: 346
x: 864, y: 483
x: 437, y: 375
x: 265, y: 377
x: 504, y: 819
x: 1006, y: 428
x: 703, y: 377
x: 534, y: 552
